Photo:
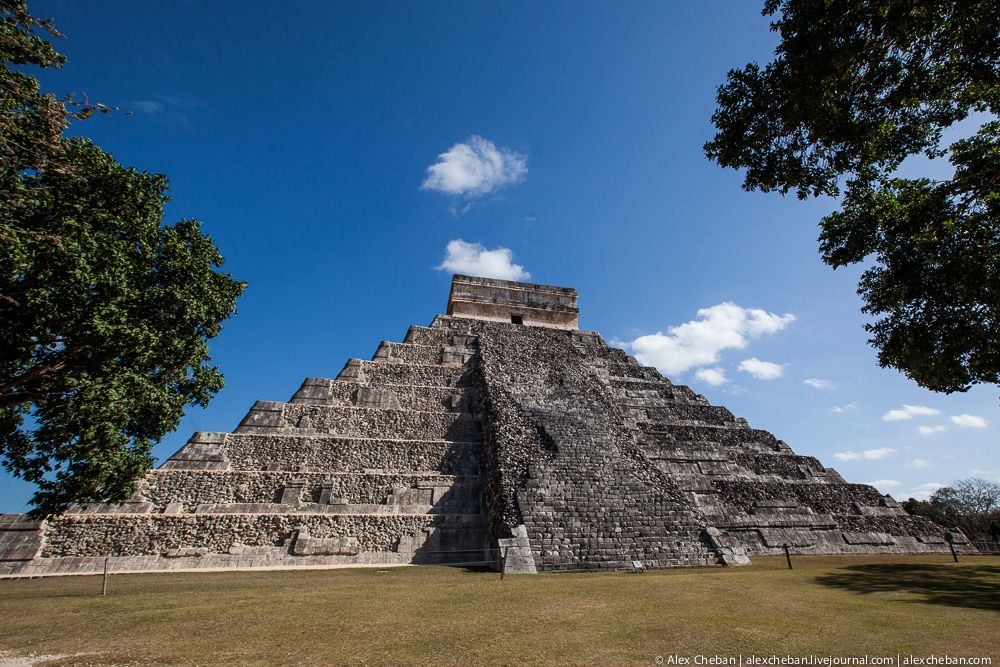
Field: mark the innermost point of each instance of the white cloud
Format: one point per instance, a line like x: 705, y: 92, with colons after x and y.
x: 924, y: 491
x: 882, y: 484
x: 762, y: 370
x: 879, y: 453
x: 713, y: 376
x: 969, y: 421
x: 840, y: 409
x: 474, y: 259
x: 909, y: 412
x: 919, y: 463
x: 698, y: 342
x: 474, y: 168
x: 930, y: 430
x: 868, y: 454
x: 148, y: 106
x: 816, y: 383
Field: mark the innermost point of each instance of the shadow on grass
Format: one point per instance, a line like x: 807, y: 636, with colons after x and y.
x: 974, y: 586
x: 477, y: 569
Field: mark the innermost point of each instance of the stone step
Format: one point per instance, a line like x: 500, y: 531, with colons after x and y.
x: 297, y: 418
x: 619, y: 371
x: 133, y: 507
x: 707, y: 468
x: 783, y: 464
x: 439, y: 337
x: 202, y: 452
x: 411, y: 353
x: 461, y: 325
x: 632, y: 388
x: 824, y: 498
x: 322, y: 391
x: 433, y: 375
x: 647, y: 400
x: 784, y: 519
x: 674, y: 451
x: 317, y: 508
x: 708, y: 414
x: 713, y: 435
x: 256, y: 451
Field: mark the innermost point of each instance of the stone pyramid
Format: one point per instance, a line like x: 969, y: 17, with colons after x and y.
x: 500, y: 435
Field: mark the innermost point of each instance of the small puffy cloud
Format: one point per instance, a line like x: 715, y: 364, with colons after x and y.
x: 868, y: 454
x: 713, y: 376
x: 699, y: 342
x: 909, y: 412
x: 930, y: 430
x: 968, y: 421
x: 474, y: 259
x: 475, y: 168
x: 879, y: 453
x: 762, y: 370
x: 883, y: 484
x: 816, y: 383
x: 848, y: 407
x: 919, y: 463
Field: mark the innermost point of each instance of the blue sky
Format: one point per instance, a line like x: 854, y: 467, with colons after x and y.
x: 309, y: 139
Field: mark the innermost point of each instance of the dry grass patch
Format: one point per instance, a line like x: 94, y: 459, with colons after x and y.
x: 440, y: 615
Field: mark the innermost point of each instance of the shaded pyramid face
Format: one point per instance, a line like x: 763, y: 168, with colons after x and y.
x: 499, y: 432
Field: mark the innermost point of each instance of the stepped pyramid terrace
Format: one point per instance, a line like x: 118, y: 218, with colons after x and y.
x: 501, y: 428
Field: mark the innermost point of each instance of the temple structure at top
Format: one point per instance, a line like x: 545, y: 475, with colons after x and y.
x: 513, y: 302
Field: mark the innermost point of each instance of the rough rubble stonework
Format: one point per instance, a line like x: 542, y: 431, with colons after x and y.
x: 499, y: 434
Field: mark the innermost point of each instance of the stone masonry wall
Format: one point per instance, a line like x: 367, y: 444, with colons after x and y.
x: 196, y: 487
x: 789, y: 466
x: 119, y: 535
x: 821, y: 498
x: 363, y: 422
x: 257, y: 452
x: 428, y: 399
x: 429, y: 376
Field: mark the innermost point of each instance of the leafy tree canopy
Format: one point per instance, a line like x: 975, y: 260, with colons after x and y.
x: 105, y: 312
x: 854, y: 89
x: 972, y: 505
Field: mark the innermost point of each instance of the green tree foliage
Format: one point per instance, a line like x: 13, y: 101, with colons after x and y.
x: 854, y: 89
x: 972, y: 505
x: 105, y: 312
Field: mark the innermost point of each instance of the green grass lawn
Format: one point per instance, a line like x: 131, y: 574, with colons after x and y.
x: 438, y: 615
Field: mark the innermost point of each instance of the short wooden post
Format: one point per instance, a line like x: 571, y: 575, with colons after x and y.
x: 104, y: 586
x: 503, y: 561
x: 788, y: 556
x: 951, y: 545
